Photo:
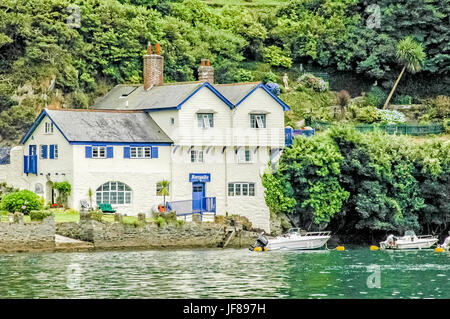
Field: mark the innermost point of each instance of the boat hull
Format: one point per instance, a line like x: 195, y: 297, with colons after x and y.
x: 417, y: 244
x: 299, y: 243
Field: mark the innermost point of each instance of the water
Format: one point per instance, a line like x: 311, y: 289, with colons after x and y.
x: 229, y: 273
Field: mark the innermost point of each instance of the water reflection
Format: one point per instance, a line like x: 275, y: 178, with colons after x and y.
x: 230, y: 273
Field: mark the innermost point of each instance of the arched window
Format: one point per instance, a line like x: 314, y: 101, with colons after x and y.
x: 114, y: 193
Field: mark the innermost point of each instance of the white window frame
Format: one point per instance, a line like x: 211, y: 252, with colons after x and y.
x: 233, y: 189
x: 55, y: 151
x: 126, y: 191
x: 98, y: 150
x: 242, y: 155
x: 41, y: 153
x: 259, y: 122
x: 140, y: 152
x: 48, y: 128
x: 205, y: 120
x: 197, y: 156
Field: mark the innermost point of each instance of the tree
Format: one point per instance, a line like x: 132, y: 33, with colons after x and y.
x: 411, y: 55
x: 164, y: 189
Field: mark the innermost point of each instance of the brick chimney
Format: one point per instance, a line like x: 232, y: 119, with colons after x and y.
x: 206, y: 71
x: 153, y: 67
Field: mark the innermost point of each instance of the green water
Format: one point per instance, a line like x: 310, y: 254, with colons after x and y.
x: 229, y: 273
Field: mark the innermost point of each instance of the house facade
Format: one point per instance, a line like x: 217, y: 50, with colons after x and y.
x: 212, y: 142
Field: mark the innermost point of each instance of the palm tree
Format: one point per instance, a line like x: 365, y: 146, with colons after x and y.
x: 410, y: 54
x: 164, y: 190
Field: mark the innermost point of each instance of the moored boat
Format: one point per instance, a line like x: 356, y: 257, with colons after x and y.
x: 294, y: 239
x: 409, y: 241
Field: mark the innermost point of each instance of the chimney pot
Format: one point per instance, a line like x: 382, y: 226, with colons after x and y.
x: 149, y: 48
x: 153, y: 72
x: 206, y: 71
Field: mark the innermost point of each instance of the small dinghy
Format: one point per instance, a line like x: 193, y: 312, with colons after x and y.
x: 409, y: 241
x: 294, y: 239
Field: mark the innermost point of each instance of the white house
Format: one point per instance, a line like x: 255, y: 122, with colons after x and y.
x: 210, y: 141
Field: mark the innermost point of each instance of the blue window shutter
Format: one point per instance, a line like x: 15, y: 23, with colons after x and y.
x: 44, y: 151
x: 126, y: 152
x: 88, y: 151
x: 52, y: 152
x: 109, y: 152
x: 25, y: 164
x: 154, y: 152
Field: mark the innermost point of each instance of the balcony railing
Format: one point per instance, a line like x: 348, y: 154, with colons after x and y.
x: 30, y: 164
x: 186, y: 207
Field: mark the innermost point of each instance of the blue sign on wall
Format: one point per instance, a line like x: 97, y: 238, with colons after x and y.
x: 195, y: 177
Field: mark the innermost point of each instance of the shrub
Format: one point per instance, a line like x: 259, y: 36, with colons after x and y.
x: 447, y: 126
x: 64, y: 189
x: 97, y: 215
x: 160, y: 221
x: 274, y: 88
x: 367, y: 114
x: 39, y: 215
x: 5, y: 189
x: 308, y: 80
x: 269, y: 77
x: 180, y: 223
x: 276, y: 57
x: 376, y: 96
x: 391, y: 117
x: 343, y: 98
x: 438, y: 107
x: 402, y: 99
x: 22, y: 201
x: 242, y: 75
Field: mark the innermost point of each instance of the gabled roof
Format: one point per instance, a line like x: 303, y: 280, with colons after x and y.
x: 103, y: 126
x: 174, y: 95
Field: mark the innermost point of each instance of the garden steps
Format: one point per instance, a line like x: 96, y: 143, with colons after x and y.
x: 63, y: 243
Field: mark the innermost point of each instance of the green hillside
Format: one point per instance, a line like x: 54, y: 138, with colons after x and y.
x: 62, y: 53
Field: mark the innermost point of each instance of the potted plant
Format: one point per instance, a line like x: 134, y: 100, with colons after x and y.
x: 163, y: 191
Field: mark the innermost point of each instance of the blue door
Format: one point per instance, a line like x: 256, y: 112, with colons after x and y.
x: 198, y: 192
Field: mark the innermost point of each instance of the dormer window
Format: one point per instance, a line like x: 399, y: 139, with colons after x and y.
x: 205, y: 120
x: 258, y: 120
x: 48, y: 127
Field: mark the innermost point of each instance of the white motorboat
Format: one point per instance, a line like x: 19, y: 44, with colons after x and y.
x: 409, y: 241
x: 294, y: 239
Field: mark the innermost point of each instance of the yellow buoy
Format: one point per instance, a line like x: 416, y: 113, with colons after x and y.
x: 340, y: 248
x: 439, y: 249
x: 257, y: 248
x: 374, y: 247
x: 265, y: 249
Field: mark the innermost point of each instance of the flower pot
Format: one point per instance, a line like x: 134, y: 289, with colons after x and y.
x: 161, y: 208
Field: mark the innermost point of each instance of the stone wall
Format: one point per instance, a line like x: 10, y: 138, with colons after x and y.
x: 35, y: 236
x: 118, y: 235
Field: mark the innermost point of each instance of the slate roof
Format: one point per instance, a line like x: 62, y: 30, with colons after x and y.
x: 5, y: 155
x: 105, y: 126
x: 169, y: 95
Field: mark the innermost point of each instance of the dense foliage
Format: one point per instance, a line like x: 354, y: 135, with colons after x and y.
x: 50, y: 55
x: 375, y: 182
x: 22, y: 201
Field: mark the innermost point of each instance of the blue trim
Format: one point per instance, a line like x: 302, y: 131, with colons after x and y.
x: 262, y: 86
x: 120, y: 143
x: 109, y: 152
x: 52, y: 152
x: 209, y: 86
x: 36, y: 124
x: 44, y: 151
x: 126, y: 152
x: 154, y: 152
x: 88, y: 151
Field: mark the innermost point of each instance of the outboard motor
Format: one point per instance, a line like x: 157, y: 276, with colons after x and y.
x: 262, y: 242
